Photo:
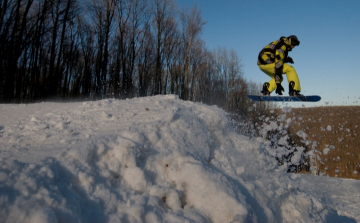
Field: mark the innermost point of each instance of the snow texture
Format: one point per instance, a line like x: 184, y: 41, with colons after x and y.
x: 153, y: 159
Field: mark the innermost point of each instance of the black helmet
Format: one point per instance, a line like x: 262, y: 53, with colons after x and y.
x: 294, y: 40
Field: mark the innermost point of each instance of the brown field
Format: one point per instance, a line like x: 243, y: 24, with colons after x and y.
x: 337, y: 133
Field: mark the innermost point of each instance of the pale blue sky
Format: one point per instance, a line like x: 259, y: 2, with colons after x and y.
x: 328, y: 58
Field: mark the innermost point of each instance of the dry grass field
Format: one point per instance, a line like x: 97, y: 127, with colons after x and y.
x: 336, y: 131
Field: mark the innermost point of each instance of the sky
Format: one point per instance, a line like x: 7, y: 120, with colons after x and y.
x: 329, y: 32
x: 159, y: 159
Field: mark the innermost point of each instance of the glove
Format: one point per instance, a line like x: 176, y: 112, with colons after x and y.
x: 279, y: 89
x: 289, y: 60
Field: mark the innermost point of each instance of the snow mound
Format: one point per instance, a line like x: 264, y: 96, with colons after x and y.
x: 154, y: 159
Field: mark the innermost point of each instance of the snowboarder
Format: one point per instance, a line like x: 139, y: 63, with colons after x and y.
x: 272, y: 61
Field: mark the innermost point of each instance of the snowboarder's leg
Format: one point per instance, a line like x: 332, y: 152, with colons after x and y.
x: 269, y: 69
x: 292, y: 76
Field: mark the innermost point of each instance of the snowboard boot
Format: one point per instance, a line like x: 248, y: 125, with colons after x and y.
x: 293, y: 92
x: 265, y: 90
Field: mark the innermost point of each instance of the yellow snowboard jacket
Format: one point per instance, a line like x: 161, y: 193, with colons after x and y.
x: 276, y: 52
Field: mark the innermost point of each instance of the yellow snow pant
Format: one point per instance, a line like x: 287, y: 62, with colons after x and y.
x: 290, y: 72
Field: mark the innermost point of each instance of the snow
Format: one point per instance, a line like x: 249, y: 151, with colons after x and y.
x: 153, y: 159
x: 326, y: 151
x: 329, y: 128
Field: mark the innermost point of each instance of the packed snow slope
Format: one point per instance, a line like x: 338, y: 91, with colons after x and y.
x: 153, y: 159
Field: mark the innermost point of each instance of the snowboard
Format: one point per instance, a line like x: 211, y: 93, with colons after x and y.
x: 305, y: 98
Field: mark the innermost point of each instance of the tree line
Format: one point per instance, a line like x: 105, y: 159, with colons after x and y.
x: 93, y: 49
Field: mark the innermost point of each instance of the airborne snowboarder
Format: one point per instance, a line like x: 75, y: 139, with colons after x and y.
x: 273, y: 60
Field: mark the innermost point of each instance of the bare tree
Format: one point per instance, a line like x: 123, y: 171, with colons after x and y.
x: 172, y: 56
x: 192, y: 25
x: 205, y: 79
x: 103, y: 12
x: 13, y: 38
x: 163, y: 12
x: 87, y: 56
x: 131, y: 17
x: 39, y: 30
x: 146, y: 62
x: 236, y: 81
